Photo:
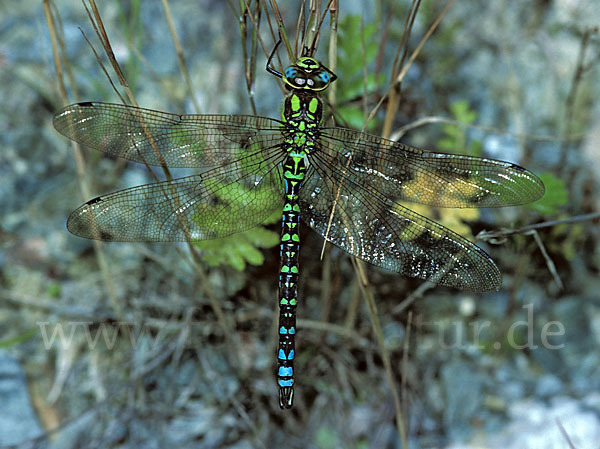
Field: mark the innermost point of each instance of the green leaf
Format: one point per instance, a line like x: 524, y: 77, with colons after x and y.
x: 353, y: 40
x: 476, y: 148
x: 8, y: 342
x: 53, y: 290
x: 326, y: 438
x: 353, y: 117
x: 263, y: 238
x: 238, y: 249
x: 455, y: 136
x: 556, y: 195
x: 462, y: 112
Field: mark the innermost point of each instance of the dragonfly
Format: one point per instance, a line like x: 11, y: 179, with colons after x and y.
x: 348, y: 186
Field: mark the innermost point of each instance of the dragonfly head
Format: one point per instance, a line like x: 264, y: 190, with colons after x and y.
x: 308, y: 74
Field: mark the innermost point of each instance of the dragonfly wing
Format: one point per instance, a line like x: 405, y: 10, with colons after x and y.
x: 403, y: 173
x: 160, y: 138
x: 379, y: 231
x: 214, y: 204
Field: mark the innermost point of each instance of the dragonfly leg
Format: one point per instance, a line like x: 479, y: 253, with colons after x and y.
x: 269, y: 68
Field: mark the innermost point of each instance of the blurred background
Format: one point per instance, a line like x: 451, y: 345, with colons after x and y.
x: 142, y: 345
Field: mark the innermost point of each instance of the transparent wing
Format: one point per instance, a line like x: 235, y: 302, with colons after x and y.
x: 160, y: 138
x: 214, y: 204
x: 403, y: 173
x: 375, y: 229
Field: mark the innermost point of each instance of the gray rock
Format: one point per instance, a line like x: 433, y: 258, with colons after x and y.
x: 463, y: 387
x: 18, y: 421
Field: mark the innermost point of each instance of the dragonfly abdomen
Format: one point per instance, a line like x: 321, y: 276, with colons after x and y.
x: 294, y: 170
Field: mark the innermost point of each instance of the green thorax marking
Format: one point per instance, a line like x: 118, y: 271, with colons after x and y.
x: 302, y: 110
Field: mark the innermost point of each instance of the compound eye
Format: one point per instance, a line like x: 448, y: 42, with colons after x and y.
x: 290, y: 72
x: 317, y: 83
x: 324, y: 76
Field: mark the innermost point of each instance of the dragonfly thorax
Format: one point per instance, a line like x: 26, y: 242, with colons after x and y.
x: 302, y: 110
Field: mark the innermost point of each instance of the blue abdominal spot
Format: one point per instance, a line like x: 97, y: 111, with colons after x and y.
x: 285, y: 371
